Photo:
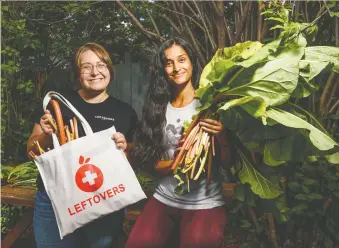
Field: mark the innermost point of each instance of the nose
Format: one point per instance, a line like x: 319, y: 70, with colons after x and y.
x: 94, y: 71
x: 175, y: 67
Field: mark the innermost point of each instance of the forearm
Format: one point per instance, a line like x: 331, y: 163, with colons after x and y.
x: 225, y: 151
x: 164, y: 167
x: 225, y: 157
x: 129, y: 148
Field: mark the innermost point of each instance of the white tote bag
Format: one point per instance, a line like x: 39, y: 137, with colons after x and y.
x: 88, y: 177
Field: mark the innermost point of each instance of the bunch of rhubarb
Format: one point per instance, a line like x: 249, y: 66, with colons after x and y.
x: 64, y: 133
x: 196, y: 154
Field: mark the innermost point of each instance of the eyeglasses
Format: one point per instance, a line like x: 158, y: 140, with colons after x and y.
x: 88, y: 68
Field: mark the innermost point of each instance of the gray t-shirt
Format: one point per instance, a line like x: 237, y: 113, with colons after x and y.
x: 201, y: 195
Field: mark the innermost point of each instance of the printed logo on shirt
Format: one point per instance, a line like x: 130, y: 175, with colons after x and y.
x: 104, y: 118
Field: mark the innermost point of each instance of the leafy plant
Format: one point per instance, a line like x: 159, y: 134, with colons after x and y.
x: 252, y: 91
x: 24, y: 174
x: 9, y: 216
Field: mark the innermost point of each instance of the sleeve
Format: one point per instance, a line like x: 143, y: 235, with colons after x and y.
x: 133, y: 124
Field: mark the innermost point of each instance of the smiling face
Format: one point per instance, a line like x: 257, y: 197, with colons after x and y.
x: 94, y: 75
x: 178, y: 66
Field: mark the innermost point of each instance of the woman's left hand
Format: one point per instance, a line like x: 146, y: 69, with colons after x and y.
x: 211, y: 126
x: 215, y: 127
x: 120, y: 141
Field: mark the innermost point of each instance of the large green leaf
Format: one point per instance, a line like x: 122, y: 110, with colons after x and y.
x: 310, y: 69
x: 224, y: 61
x: 288, y: 148
x: 248, y: 128
x: 304, y: 88
x: 235, y: 119
x: 251, y: 104
x: 228, y: 64
x: 206, y: 96
x: 323, y: 55
x: 262, y: 54
x: 259, y: 184
x: 334, y: 158
x: 268, y: 156
x: 273, y: 81
x: 319, y: 139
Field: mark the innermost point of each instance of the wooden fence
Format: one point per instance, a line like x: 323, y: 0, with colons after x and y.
x: 130, y: 83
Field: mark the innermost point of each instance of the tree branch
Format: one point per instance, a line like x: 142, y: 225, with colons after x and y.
x: 221, y: 29
x: 306, y: 11
x: 179, y: 13
x: 206, y: 29
x: 209, y: 25
x: 333, y: 107
x: 259, y: 22
x: 243, y: 21
x: 150, y: 35
x: 336, y: 26
x: 333, y: 93
x: 153, y: 22
x: 326, y: 93
x: 190, y: 8
x: 175, y: 27
x: 193, y: 40
x: 228, y: 31
x: 176, y: 12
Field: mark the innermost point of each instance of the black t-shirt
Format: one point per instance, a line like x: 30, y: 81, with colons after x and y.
x: 100, y: 116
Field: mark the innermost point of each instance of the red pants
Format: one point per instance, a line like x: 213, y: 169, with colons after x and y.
x: 161, y: 226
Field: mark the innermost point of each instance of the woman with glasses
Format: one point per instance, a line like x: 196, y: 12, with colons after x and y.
x: 94, y: 71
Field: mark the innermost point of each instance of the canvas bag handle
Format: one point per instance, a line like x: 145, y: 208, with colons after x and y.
x: 55, y: 95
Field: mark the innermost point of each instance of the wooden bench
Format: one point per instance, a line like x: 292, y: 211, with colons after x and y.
x: 25, y: 197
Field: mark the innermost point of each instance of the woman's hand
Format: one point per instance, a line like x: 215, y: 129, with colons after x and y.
x: 179, y: 145
x: 215, y: 127
x: 46, y: 124
x: 120, y: 141
x: 211, y: 126
x: 164, y: 166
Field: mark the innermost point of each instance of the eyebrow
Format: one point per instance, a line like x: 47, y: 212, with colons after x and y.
x: 184, y: 54
x: 88, y: 63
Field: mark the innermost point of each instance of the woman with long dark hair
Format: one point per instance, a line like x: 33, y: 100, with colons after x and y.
x: 196, y: 218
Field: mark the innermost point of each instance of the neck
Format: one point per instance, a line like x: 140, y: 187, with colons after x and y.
x: 93, y: 97
x: 184, y: 95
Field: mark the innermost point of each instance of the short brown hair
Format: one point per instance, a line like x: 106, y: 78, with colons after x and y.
x: 100, y: 51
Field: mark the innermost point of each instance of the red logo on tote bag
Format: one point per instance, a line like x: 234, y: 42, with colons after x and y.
x: 89, y: 177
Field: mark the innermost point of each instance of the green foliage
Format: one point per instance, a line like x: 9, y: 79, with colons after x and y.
x: 38, y: 43
x: 17, y: 89
x: 294, y: 144
x: 21, y: 175
x: 259, y: 184
x: 9, y: 216
x: 24, y: 174
x: 146, y: 182
x: 261, y: 84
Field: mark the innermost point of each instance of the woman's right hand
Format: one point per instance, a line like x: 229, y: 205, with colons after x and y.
x: 165, y: 166
x: 45, y: 123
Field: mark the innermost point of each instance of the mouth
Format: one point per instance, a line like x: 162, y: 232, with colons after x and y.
x: 178, y: 75
x: 95, y: 80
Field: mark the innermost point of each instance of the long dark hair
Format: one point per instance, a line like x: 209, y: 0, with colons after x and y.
x: 149, y: 134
